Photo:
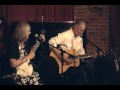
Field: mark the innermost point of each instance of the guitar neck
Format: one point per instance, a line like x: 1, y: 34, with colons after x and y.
x: 41, y: 39
x: 35, y: 47
x: 81, y: 56
x: 85, y: 56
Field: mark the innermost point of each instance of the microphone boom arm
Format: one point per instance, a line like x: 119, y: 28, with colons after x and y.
x: 97, y: 48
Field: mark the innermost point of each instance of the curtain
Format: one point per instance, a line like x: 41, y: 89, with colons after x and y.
x: 55, y: 13
x: 39, y: 13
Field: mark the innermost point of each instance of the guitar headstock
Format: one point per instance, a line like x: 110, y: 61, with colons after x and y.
x: 43, y: 32
x: 42, y: 36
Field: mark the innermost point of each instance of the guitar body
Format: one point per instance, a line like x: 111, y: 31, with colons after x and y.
x: 72, y: 61
x: 25, y: 69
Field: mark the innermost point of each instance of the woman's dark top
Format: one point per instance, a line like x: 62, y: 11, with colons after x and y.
x: 13, y: 52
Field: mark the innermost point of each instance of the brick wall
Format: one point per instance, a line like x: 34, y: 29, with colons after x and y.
x: 97, y: 17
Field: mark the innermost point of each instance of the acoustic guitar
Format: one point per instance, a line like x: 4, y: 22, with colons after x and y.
x: 73, y: 60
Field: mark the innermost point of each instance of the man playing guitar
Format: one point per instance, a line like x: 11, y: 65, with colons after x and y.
x: 71, y: 42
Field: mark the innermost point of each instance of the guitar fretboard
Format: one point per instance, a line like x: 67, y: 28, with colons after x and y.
x: 81, y: 56
x: 37, y: 44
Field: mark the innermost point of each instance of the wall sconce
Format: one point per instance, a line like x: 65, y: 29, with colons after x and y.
x: 96, y: 9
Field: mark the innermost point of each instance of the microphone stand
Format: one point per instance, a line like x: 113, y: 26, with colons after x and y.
x: 114, y: 55
x: 98, y: 49
x: 62, y: 61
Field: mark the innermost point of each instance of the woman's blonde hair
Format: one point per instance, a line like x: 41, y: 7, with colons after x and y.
x: 20, y: 32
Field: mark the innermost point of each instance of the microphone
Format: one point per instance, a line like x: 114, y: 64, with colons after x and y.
x: 36, y: 35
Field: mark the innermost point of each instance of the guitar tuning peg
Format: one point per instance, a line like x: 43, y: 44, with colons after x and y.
x: 43, y: 31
